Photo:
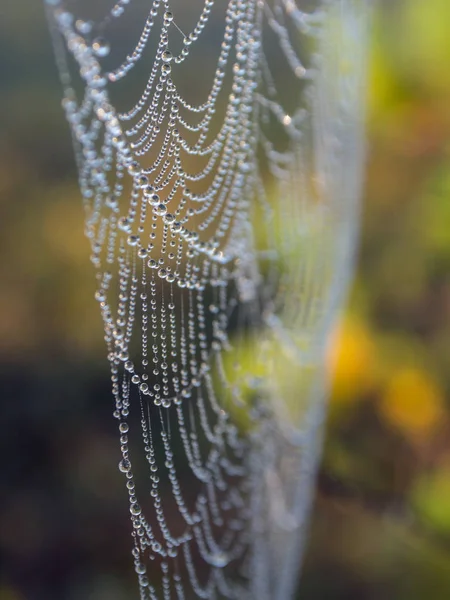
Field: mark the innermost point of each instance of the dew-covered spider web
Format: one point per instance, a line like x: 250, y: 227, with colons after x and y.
x: 219, y: 146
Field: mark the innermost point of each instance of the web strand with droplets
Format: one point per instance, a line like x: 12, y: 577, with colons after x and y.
x: 222, y: 234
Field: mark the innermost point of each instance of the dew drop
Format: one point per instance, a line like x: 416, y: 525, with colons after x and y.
x: 133, y: 240
x: 100, y: 47
x: 143, y: 181
x: 117, y: 333
x: 300, y: 71
x: 160, y: 210
x: 135, y: 510
x: 167, y: 56
x: 218, y: 559
x: 154, y: 200
x: 133, y: 168
x: 84, y: 27
x: 123, y: 224
x: 244, y: 167
x: 169, y: 219
x: 125, y: 466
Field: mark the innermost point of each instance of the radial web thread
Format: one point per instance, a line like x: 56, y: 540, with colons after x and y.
x: 220, y: 147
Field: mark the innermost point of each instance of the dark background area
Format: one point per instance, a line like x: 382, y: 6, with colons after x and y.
x: 381, y: 525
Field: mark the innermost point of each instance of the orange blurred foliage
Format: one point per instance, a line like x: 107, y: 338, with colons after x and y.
x: 413, y: 403
x: 352, y: 362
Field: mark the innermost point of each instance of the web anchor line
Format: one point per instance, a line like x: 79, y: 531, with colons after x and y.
x: 222, y: 214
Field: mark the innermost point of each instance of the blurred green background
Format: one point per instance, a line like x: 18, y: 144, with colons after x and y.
x: 381, y: 525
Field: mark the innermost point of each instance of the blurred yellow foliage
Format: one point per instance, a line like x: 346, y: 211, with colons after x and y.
x: 62, y: 225
x: 423, y: 43
x: 431, y: 495
x: 352, y: 361
x: 412, y: 402
x: 383, y: 87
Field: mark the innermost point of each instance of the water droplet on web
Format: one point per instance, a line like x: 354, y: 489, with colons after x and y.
x: 100, y: 47
x: 167, y: 56
x: 123, y: 224
x: 169, y: 219
x: 133, y: 240
x: 64, y: 18
x: 218, y: 559
x: 143, y: 181
x: 117, y: 11
x: 84, y: 27
x: 135, y: 510
x: 245, y: 167
x: 134, y: 168
x: 160, y: 210
x: 124, y: 466
x: 154, y: 199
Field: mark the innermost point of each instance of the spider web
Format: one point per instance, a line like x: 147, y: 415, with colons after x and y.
x: 220, y: 149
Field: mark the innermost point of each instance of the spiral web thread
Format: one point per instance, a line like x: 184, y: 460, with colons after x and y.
x: 222, y: 233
